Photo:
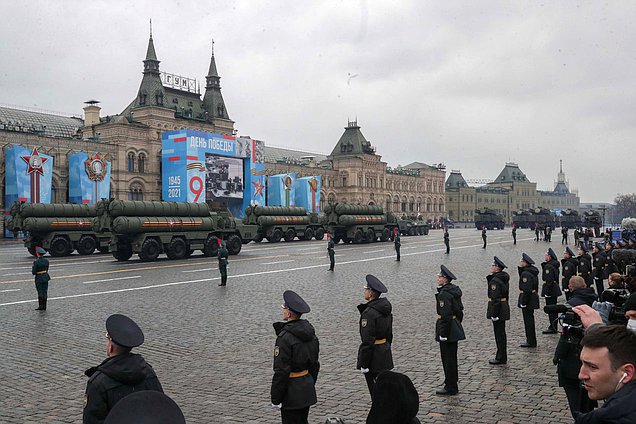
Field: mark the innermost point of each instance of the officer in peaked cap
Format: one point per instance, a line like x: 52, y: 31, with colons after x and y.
x: 584, y: 268
x: 550, y: 289
x: 569, y: 265
x: 599, y: 259
x: 119, y: 375
x: 376, y: 332
x: 498, y: 308
x: 40, y: 269
x: 146, y: 407
x: 528, y: 297
x: 296, y: 364
x: 448, y: 328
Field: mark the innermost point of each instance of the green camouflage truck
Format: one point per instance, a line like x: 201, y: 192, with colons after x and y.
x: 358, y: 223
x: 276, y: 223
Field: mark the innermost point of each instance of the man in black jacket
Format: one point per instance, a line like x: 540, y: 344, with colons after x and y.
x: 498, y: 308
x: 448, y: 328
x: 598, y: 258
x: 550, y: 289
x: 585, y: 264
x: 296, y: 364
x: 569, y: 265
x: 120, y: 374
x: 528, y: 298
x: 376, y: 332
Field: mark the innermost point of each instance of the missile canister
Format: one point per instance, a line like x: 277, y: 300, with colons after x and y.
x: 157, y: 209
x: 50, y: 224
x: 276, y: 211
x: 56, y: 210
x: 150, y: 224
x: 361, y: 219
x: 349, y: 209
x: 285, y: 220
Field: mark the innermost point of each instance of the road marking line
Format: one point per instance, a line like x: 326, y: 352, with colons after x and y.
x: 277, y: 262
x: 373, y: 251
x: 9, y: 290
x: 112, y: 279
x: 199, y: 270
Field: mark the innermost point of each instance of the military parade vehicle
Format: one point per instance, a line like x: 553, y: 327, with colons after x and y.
x: 149, y: 228
x: 593, y: 219
x: 283, y: 222
x: 570, y: 219
x: 58, y: 228
x: 542, y: 218
x: 489, y: 218
x: 522, y: 218
x: 413, y: 226
x: 358, y: 223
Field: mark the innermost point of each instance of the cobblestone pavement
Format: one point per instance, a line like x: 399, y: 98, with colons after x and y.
x: 212, y: 347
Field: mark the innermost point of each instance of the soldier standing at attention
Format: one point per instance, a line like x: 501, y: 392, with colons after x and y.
x: 564, y: 235
x: 514, y: 234
x: 376, y: 332
x: 397, y: 243
x: 585, y: 264
x: 498, y: 308
x: 330, y: 250
x: 40, y: 269
x: 483, y: 235
x: 222, y: 256
x: 121, y: 374
x: 536, y: 232
x: 569, y: 263
x: 296, y: 364
x: 446, y: 240
x: 448, y: 328
x: 577, y: 234
x: 528, y: 298
x: 599, y: 259
x: 550, y: 289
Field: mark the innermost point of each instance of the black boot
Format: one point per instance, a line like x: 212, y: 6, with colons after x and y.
x: 39, y: 308
x: 44, y: 303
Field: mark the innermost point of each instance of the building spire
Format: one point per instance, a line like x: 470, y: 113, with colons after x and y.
x: 212, y: 99
x: 151, y: 64
x: 151, y: 28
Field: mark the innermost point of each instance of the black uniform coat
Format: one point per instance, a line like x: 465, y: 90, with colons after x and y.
x: 585, y: 268
x: 330, y: 248
x: 113, y: 379
x: 376, y: 323
x: 568, y: 269
x: 297, y: 349
x: 222, y: 256
x: 498, y: 289
x: 450, y: 313
x: 39, y: 265
x: 620, y: 408
x: 529, y: 286
x: 550, y: 276
x: 610, y: 265
x: 599, y: 264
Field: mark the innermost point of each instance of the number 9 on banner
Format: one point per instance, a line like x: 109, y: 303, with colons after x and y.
x: 196, y: 187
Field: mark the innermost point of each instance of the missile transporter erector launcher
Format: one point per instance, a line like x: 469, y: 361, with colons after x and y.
x: 283, y: 222
x: 358, y: 223
x: 542, y: 218
x: 58, y: 228
x: 593, y: 219
x: 570, y: 219
x: 489, y: 218
x: 177, y: 229
x: 522, y: 219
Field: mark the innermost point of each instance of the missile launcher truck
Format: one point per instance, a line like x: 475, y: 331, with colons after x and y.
x: 522, y: 219
x: 489, y: 218
x: 593, y: 219
x: 570, y: 219
x: 58, y: 228
x: 283, y: 222
x: 149, y: 228
x: 358, y: 223
x: 542, y: 218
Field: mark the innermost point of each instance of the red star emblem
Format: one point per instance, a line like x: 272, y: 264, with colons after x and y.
x: 35, y: 162
x: 258, y: 188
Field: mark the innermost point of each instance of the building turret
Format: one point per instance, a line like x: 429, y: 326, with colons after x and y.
x: 213, y: 99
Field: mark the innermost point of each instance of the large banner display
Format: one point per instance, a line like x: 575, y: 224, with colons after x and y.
x: 202, y: 167
x: 88, y: 178
x: 281, y: 190
x: 28, y: 176
x: 308, y: 193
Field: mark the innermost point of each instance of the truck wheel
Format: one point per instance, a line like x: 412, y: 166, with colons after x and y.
x: 258, y: 238
x: 234, y: 244
x: 149, y: 250
x: 386, y: 235
x: 102, y: 249
x: 358, y: 237
x: 290, y: 235
x: 309, y: 233
x: 60, y: 247
x: 210, y: 247
x: 426, y: 230
x: 123, y: 253
x: 86, y: 245
x: 177, y: 249
x: 189, y: 253
x: 411, y: 231
x: 370, y: 236
x: 319, y: 234
x: 276, y: 236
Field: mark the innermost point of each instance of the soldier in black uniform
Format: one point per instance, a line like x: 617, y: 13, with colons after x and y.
x: 376, y: 332
x: 536, y: 232
x: 514, y: 234
x: 564, y: 235
x: 498, y: 308
x: 550, y: 289
x: 296, y: 363
x: 121, y: 374
x: 610, y: 264
x: 448, y: 328
x: 40, y: 269
x: 548, y: 234
x: 598, y: 258
x: 528, y: 298
x: 585, y: 264
x: 222, y: 256
x: 447, y: 240
x: 569, y: 264
x: 484, y: 236
x: 577, y: 234
x: 332, y: 253
x: 397, y: 243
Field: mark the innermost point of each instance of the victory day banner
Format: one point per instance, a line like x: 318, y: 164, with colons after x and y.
x: 307, y: 191
x: 88, y: 178
x: 281, y: 190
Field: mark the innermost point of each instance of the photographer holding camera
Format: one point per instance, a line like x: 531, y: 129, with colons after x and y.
x: 612, y: 301
x: 567, y: 352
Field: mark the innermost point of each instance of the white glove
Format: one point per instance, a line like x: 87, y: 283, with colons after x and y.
x: 522, y: 306
x: 279, y: 406
x: 364, y: 370
x: 443, y: 339
x: 494, y: 319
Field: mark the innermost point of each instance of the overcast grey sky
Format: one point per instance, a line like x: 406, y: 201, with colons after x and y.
x: 472, y: 84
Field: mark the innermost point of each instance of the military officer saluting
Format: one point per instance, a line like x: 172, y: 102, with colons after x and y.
x: 550, y: 289
x: 121, y: 374
x: 40, y: 269
x: 296, y: 364
x: 376, y: 332
x: 528, y: 298
x: 498, y: 308
x: 448, y: 328
x: 585, y: 264
x: 569, y: 264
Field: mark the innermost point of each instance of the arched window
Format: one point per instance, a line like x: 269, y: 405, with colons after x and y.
x: 142, y: 163
x: 131, y: 162
x: 135, y: 193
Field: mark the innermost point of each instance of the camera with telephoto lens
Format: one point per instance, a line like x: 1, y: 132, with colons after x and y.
x: 571, y: 324
x: 617, y: 297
